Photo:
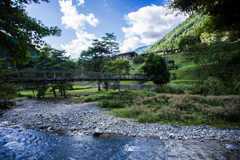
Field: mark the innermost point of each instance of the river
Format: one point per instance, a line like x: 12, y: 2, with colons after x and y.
x: 20, y: 143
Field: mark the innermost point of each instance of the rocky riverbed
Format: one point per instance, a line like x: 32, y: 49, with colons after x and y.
x: 56, y: 116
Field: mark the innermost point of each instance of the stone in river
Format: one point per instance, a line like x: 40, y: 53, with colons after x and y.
x: 97, y: 132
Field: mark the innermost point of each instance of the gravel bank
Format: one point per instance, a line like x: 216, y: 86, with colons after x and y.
x: 86, y: 118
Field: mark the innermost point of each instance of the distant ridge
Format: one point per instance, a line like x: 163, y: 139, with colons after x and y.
x: 139, y: 50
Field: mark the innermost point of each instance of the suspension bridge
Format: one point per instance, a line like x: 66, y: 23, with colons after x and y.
x: 27, y: 75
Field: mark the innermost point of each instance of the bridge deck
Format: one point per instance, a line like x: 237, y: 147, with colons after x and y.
x: 26, y: 75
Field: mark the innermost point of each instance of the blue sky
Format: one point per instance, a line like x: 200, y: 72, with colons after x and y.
x: 135, y: 22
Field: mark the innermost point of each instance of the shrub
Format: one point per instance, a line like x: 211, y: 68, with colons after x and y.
x: 138, y: 59
x: 112, y: 104
x: 29, y: 96
x: 169, y: 89
x: 41, y: 91
x: 19, y: 94
x: 213, y: 86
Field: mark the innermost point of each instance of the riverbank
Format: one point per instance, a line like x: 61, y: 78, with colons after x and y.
x: 86, y: 118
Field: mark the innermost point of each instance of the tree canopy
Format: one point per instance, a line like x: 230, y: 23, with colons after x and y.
x: 118, y: 66
x: 187, y: 41
x: 223, y: 15
x: 96, y: 56
x: 155, y: 68
x: 19, y: 33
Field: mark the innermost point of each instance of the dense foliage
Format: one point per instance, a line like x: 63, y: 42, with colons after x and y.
x: 19, y: 33
x: 155, y: 68
x: 223, y: 15
x: 118, y: 66
x: 219, y: 60
x: 138, y: 60
x: 7, y: 90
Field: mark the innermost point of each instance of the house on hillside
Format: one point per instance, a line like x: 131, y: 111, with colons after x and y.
x: 145, y: 55
x: 161, y: 52
x: 128, y: 54
x: 167, y: 52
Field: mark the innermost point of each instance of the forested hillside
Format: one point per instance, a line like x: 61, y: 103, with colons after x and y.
x: 191, y: 26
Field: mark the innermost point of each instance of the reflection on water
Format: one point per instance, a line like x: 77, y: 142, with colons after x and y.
x: 31, y: 144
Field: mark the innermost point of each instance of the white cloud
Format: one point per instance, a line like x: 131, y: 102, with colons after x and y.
x: 83, y: 41
x: 105, y: 5
x: 72, y: 19
x: 147, y: 25
x: 80, y: 2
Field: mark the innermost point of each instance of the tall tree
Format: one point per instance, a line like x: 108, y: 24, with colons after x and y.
x: 156, y: 69
x: 7, y: 90
x: 111, y: 44
x: 19, y: 33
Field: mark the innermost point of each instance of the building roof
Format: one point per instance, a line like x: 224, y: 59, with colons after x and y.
x: 127, y: 53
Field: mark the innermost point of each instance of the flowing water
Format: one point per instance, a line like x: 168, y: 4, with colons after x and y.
x: 31, y: 144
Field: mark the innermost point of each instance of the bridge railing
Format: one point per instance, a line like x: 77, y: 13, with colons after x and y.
x: 77, y: 75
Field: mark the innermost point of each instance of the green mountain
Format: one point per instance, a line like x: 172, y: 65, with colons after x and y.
x: 191, y: 26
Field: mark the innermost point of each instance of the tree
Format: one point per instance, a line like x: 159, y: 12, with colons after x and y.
x: 118, y: 66
x: 112, y: 46
x: 19, y: 33
x: 223, y: 15
x: 7, y: 90
x: 53, y: 59
x: 155, y: 68
x: 187, y: 41
x: 220, y: 60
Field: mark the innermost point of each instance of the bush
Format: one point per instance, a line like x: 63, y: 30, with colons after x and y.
x: 29, y: 96
x: 19, y: 94
x: 138, y: 59
x: 112, y: 104
x: 213, y: 86
x: 41, y: 91
x: 94, y: 98
x: 169, y: 89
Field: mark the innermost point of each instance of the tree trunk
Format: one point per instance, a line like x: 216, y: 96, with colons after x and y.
x: 106, y: 84
x: 64, y: 94
x: 99, y: 88
x: 61, y: 92
x: 54, y: 92
x: 114, y: 86
x: 33, y: 93
x: 119, y: 86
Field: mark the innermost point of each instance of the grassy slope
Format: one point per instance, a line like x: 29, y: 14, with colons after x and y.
x: 182, y: 78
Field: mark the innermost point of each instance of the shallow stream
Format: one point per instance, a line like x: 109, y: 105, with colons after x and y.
x: 20, y: 143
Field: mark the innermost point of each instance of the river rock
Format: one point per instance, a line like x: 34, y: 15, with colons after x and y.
x: 97, y: 132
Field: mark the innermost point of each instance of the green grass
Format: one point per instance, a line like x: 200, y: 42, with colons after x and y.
x: 149, y: 83
x: 129, y: 83
x: 178, y: 59
x: 183, y: 82
x: 135, y: 66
